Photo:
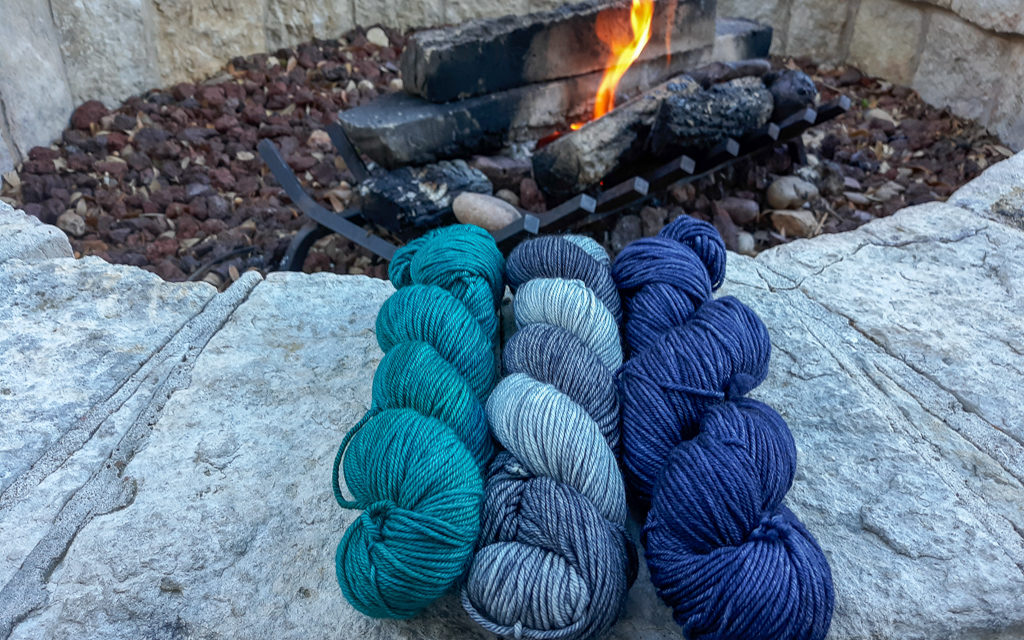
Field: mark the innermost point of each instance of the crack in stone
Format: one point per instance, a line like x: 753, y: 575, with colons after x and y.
x: 107, y: 490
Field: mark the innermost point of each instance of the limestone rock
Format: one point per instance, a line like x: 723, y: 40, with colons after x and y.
x: 906, y: 417
x: 885, y: 39
x: 31, y: 68
x: 741, y: 210
x: 794, y: 223
x: 288, y: 23
x: 106, y: 48
x: 24, y: 237
x: 167, y: 473
x: 485, y: 211
x: 745, y: 243
x: 377, y: 36
x: 958, y: 62
x: 789, y: 192
x: 508, y: 196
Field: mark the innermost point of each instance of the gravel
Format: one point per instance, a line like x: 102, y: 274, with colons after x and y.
x: 171, y: 181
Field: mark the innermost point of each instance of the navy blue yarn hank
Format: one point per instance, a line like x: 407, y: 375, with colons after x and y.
x: 554, y: 559
x: 713, y: 466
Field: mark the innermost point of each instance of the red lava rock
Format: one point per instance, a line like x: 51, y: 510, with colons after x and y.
x: 161, y: 248
x: 530, y: 197
x: 88, y: 114
x: 183, y: 90
x: 186, y: 227
x: 222, y: 179
x: 168, y: 270
x: 43, y: 153
x: 117, y: 140
x: 79, y: 162
x: 213, y: 226
x: 301, y: 162
x: 114, y: 168
x: 212, y: 96
x: 316, y: 262
x: 39, y: 166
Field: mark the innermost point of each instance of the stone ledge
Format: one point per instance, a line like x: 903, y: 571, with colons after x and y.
x: 192, y: 493
x: 24, y: 237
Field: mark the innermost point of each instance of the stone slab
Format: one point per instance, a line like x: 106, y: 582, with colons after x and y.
x: 35, y: 97
x: 107, y: 47
x: 202, y: 502
x: 26, y: 238
x: 897, y: 354
x: 487, y: 55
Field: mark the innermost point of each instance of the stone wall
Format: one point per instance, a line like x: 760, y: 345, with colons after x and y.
x: 59, y: 53
x: 964, y: 54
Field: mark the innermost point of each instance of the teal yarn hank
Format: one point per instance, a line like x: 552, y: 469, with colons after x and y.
x: 413, y: 464
x: 555, y: 561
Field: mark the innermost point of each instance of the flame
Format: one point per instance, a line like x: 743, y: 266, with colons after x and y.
x: 641, y: 15
x: 624, y: 54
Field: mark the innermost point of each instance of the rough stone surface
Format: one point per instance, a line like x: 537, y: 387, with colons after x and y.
x: 291, y: 21
x: 815, y: 27
x: 25, y: 238
x: 192, y: 36
x: 34, y: 96
x: 960, y: 65
x: 914, y: 487
x: 886, y: 37
x: 167, y: 473
x: 106, y: 46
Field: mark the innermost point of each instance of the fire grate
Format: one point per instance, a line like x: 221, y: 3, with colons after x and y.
x: 583, y: 208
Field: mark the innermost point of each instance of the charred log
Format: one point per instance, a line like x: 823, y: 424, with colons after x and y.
x: 418, y: 197
x: 581, y: 159
x: 702, y: 119
x: 792, y: 91
x: 400, y: 129
x: 494, y: 54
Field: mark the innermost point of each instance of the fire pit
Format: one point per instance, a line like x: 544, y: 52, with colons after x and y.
x: 547, y: 103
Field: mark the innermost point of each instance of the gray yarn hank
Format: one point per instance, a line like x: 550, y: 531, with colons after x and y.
x: 554, y: 560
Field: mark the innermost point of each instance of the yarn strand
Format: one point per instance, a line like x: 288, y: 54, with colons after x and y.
x: 712, y: 466
x: 413, y: 464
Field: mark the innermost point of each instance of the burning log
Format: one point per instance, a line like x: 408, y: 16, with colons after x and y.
x: 421, y: 197
x: 671, y: 118
x: 483, y: 56
x: 400, y: 129
x: 702, y: 119
x: 579, y: 160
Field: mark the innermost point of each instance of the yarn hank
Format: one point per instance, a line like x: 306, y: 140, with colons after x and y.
x: 724, y: 552
x: 413, y: 464
x: 554, y: 560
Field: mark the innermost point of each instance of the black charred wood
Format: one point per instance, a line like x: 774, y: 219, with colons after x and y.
x: 494, y: 54
x: 792, y: 90
x: 400, y: 129
x: 415, y: 198
x: 704, y: 118
x: 581, y: 159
